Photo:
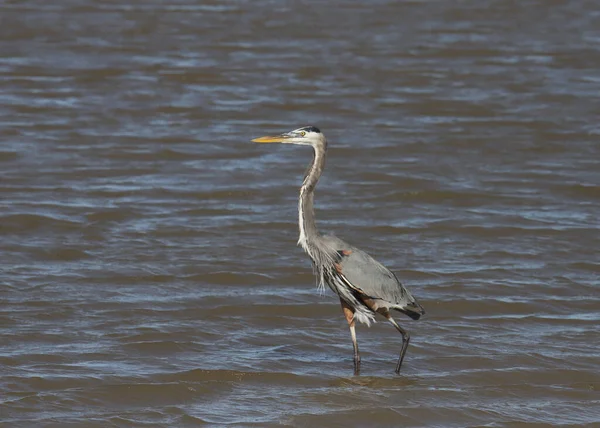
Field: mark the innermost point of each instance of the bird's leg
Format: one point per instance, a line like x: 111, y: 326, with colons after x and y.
x: 349, y: 314
x: 405, y: 340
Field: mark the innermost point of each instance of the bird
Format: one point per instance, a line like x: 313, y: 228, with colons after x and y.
x: 364, y: 286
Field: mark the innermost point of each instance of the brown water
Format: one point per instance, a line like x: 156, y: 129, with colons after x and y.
x: 149, y: 268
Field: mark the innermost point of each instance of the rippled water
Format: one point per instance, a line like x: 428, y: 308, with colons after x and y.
x: 149, y: 273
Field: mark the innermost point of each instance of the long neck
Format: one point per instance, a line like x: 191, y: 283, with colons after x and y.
x: 306, y: 212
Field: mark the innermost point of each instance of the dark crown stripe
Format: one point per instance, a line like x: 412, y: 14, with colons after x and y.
x: 311, y: 129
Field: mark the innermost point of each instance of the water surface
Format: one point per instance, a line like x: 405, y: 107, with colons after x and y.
x: 149, y: 269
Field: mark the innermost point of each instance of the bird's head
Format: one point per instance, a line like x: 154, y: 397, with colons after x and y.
x: 307, y: 136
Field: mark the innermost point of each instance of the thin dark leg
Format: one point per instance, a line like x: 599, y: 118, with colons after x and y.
x: 405, y: 340
x: 356, y: 354
x: 349, y: 314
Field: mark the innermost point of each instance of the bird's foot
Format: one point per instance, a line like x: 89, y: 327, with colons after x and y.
x: 338, y: 267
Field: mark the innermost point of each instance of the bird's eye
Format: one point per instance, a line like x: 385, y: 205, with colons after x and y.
x: 303, y: 133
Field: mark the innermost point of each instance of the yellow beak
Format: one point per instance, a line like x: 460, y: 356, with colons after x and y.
x: 271, y: 139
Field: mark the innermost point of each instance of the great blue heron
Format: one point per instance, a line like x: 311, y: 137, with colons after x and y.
x: 364, y: 286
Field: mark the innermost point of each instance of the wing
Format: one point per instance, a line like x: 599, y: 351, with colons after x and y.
x: 368, y: 276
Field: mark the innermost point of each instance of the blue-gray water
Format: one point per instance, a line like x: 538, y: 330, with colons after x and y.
x: 149, y: 274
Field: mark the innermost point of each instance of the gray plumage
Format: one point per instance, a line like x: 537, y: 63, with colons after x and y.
x: 365, y: 287
x: 374, y: 280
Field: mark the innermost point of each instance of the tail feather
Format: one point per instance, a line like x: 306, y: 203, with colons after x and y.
x: 413, y: 310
